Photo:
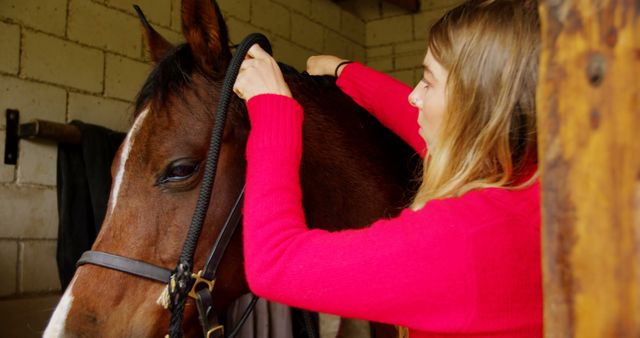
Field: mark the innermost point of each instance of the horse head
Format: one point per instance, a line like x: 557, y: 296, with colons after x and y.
x: 156, y: 174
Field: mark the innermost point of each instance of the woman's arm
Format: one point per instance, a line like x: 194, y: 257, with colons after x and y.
x: 384, y: 97
x: 404, y: 271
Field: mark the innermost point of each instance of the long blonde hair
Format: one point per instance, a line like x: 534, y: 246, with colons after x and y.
x: 488, y: 135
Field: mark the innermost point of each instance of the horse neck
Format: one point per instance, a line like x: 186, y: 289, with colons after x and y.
x: 353, y: 170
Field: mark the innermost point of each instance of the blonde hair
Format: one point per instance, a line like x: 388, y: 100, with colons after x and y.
x: 488, y: 135
x: 403, y: 331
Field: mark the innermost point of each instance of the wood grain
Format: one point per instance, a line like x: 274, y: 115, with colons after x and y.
x: 589, y: 136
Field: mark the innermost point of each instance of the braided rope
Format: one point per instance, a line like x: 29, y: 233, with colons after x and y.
x: 181, y: 279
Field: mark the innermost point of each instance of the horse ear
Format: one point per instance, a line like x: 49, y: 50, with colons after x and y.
x: 206, y: 33
x: 157, y: 45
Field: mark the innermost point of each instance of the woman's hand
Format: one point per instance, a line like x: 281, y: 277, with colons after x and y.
x: 259, y: 74
x: 324, y: 65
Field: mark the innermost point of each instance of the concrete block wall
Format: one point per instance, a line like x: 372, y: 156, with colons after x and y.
x: 60, y: 60
x: 298, y: 29
x: 395, y: 39
x: 85, y: 59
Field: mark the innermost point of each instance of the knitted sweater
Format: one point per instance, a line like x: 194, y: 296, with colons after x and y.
x: 459, y: 267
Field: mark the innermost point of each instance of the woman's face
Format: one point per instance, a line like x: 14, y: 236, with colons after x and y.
x: 429, y: 96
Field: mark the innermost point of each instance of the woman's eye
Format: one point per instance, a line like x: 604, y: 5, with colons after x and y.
x: 179, y: 170
x: 425, y: 83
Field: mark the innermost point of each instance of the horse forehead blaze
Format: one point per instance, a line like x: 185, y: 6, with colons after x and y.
x: 56, y: 325
x: 123, y: 159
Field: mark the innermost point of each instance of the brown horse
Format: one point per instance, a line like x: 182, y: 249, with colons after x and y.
x: 354, y: 171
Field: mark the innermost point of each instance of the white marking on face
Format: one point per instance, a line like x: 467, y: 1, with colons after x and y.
x: 124, y: 155
x: 55, y: 328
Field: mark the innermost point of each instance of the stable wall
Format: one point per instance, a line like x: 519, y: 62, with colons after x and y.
x: 61, y: 60
x: 86, y: 60
x: 396, y: 40
x: 80, y: 59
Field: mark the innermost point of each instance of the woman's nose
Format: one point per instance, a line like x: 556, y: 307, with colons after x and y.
x: 414, y: 99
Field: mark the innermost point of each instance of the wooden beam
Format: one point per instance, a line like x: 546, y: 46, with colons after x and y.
x: 589, y: 122
x: 410, y: 5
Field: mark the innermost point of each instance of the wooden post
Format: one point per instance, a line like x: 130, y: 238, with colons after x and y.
x: 589, y: 137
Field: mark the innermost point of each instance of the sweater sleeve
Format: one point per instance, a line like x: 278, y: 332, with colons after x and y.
x: 391, y: 272
x: 386, y: 98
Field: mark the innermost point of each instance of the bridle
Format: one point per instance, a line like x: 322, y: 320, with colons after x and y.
x: 203, y: 281
x: 182, y: 282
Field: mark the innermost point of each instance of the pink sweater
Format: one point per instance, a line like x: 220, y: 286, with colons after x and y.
x: 459, y: 267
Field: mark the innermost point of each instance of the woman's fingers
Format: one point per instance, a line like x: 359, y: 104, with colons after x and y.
x: 322, y: 64
x: 259, y: 74
x: 237, y: 87
x: 257, y: 52
x: 246, y: 64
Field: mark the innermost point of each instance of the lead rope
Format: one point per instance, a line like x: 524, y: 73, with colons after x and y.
x: 181, y: 279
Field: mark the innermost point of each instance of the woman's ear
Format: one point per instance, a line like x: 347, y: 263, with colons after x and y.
x: 157, y: 45
x: 206, y: 33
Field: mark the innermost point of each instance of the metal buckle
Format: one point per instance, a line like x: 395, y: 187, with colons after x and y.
x: 211, y: 332
x: 199, y: 280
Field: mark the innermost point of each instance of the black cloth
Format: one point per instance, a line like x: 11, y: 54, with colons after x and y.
x: 83, y: 183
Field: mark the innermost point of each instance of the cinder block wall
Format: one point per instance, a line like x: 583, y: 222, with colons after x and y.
x: 83, y: 59
x: 298, y: 29
x: 60, y: 60
x: 396, y: 40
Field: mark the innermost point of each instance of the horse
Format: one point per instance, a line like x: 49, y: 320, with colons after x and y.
x: 353, y: 172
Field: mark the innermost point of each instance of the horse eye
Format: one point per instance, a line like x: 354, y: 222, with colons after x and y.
x: 179, y: 170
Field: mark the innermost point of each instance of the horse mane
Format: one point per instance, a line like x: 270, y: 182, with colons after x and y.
x: 171, y: 74
x: 174, y: 73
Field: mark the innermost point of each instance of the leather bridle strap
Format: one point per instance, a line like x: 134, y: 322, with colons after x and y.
x: 124, y: 264
x: 203, y: 295
x: 163, y: 275
x: 220, y: 246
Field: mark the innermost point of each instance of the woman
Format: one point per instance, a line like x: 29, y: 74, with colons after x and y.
x: 464, y: 259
